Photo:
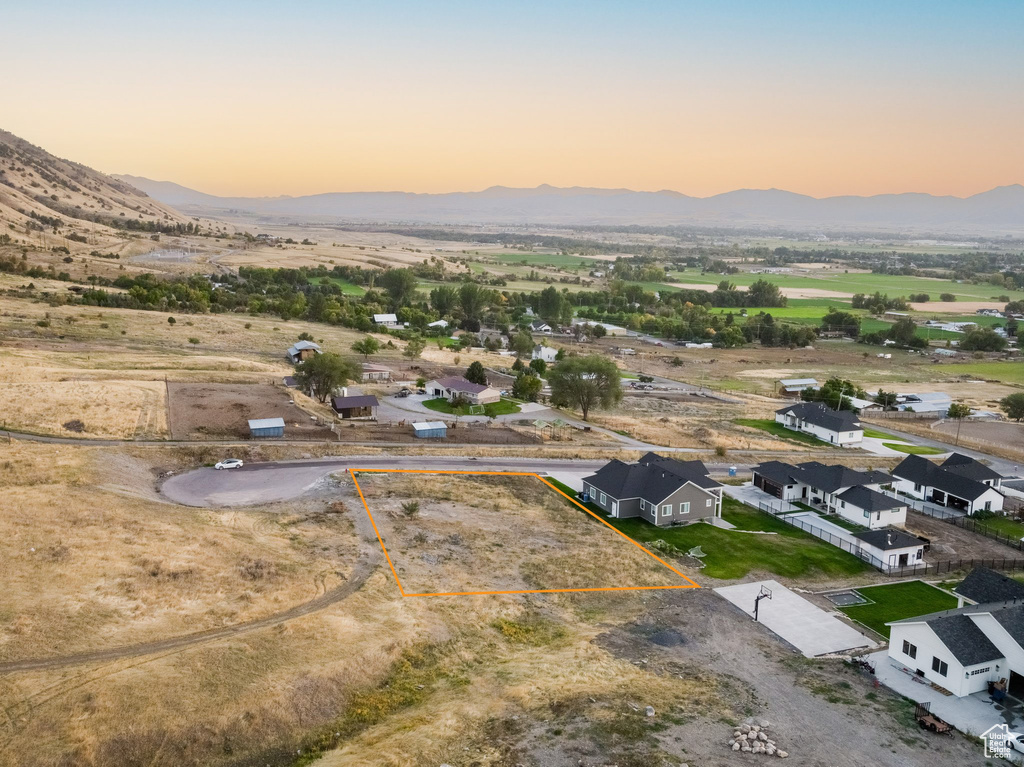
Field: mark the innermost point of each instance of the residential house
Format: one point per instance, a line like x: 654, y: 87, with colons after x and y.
x: 853, y: 495
x: 454, y: 387
x: 837, y: 427
x: 983, y: 585
x: 494, y: 336
x: 890, y: 549
x: 441, y: 324
x: 373, y: 372
x: 386, y: 320
x: 545, y: 353
x: 964, y: 650
x: 355, y: 406
x: 539, y: 326
x: 960, y: 483
x: 302, y: 350
x: 662, y: 491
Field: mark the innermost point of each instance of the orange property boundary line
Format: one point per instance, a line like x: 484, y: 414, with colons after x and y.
x: 690, y: 584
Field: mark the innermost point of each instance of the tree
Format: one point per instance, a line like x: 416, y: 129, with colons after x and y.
x: 947, y: 297
x: 444, y: 299
x: 764, y: 293
x: 522, y: 344
x: 958, y: 412
x: 982, y: 340
x: 835, y: 393
x: 400, y: 285
x: 527, y: 387
x: 171, y: 320
x: 903, y: 331
x: 473, y: 300
x: 585, y: 383
x: 553, y: 307
x: 475, y: 373
x: 730, y: 337
x: 322, y: 374
x: 366, y: 346
x: 539, y: 366
x: 843, y: 322
x: 887, y: 399
x: 414, y: 348
x: 1013, y: 406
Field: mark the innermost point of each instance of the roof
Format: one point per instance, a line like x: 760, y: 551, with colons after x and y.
x: 836, y: 477
x: 965, y: 466
x: 983, y: 585
x: 357, y: 400
x: 427, y: 425
x: 870, y: 500
x: 777, y: 471
x: 787, y: 382
x: 299, y: 346
x: 965, y: 639
x: 819, y: 414
x: 652, y: 478
x: 921, y: 471
x: 369, y: 367
x: 266, y: 423
x: 458, y: 383
x: 888, y: 538
x: 438, y: 324
x: 385, y: 318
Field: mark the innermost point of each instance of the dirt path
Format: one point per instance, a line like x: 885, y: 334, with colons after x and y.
x: 369, y: 559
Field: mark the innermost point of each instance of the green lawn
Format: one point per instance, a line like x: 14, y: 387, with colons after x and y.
x: 502, y: 407
x: 897, y: 601
x: 778, y: 430
x: 1004, y: 526
x: 876, y: 434
x: 1007, y: 372
x: 902, y: 447
x: 347, y: 288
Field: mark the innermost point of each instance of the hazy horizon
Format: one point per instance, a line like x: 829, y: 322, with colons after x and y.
x: 250, y: 99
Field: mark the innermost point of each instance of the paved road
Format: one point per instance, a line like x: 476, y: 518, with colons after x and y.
x: 274, y: 481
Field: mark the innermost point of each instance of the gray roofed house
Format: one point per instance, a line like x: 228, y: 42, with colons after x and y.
x: 950, y: 485
x: 984, y: 585
x: 870, y: 500
x: 887, y: 540
x: 837, y: 427
x: 965, y: 466
x: 660, y: 490
x: 302, y: 350
x: 964, y: 639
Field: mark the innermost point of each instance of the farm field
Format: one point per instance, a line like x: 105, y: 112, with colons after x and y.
x: 896, y: 601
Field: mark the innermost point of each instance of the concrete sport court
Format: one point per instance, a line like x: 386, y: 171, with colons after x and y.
x: 808, y: 628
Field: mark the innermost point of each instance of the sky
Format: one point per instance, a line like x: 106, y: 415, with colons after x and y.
x: 262, y: 98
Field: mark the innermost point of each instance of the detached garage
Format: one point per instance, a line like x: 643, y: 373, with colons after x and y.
x: 430, y: 429
x: 265, y: 428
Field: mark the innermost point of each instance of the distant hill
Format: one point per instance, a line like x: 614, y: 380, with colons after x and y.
x: 38, y: 190
x: 998, y: 211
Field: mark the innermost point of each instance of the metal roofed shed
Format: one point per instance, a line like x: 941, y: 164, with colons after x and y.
x: 266, y: 428
x: 793, y: 386
x: 430, y: 430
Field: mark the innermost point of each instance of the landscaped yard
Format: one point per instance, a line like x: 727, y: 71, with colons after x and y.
x: 876, y: 434
x: 501, y: 407
x: 731, y: 554
x: 1007, y: 526
x: 777, y: 429
x: 903, y: 447
x: 898, y: 601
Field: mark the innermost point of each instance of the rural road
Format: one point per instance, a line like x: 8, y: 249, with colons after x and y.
x: 281, y: 480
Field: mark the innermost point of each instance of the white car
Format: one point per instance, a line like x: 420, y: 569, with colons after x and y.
x: 1015, y: 741
x: 229, y: 463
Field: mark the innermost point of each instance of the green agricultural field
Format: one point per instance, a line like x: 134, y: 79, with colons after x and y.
x: 1005, y: 372
x: 898, y: 601
x: 894, y: 285
x: 557, y: 260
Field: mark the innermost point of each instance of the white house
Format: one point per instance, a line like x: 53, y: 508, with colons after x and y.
x: 545, y: 353
x: 838, y: 427
x: 891, y: 549
x: 455, y: 386
x: 963, y: 650
x: 960, y: 482
x: 871, y: 508
x: 539, y: 326
x: 438, y: 324
x: 386, y: 320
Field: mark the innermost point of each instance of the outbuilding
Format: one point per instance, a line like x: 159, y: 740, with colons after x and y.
x: 891, y: 549
x: 266, y: 428
x: 430, y: 430
x: 302, y: 350
x: 356, y: 406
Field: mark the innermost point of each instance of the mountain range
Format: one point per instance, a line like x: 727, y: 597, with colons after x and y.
x: 998, y: 211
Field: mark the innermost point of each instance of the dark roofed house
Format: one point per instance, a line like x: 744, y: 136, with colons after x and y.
x: 662, y: 491
x: 453, y: 387
x: 964, y: 650
x: 964, y: 484
x: 983, y: 585
x: 356, y: 406
x: 891, y: 549
x: 837, y: 427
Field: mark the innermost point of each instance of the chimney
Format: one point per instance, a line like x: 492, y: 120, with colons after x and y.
x: 344, y: 391
x: 888, y: 539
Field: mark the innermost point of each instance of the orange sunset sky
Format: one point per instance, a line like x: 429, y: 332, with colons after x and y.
x: 267, y: 99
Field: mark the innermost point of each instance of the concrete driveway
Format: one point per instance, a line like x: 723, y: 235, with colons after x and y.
x: 807, y: 627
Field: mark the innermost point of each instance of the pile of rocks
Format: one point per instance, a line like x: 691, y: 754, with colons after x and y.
x: 754, y: 739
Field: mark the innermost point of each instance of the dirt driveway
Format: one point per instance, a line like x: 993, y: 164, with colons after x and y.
x: 949, y: 542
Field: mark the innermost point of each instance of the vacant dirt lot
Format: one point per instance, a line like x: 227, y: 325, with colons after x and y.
x: 459, y: 533
x: 223, y: 410
x: 1009, y: 434
x: 950, y: 543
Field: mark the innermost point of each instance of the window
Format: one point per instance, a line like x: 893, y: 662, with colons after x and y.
x: 604, y: 498
x: 981, y: 670
x: 643, y: 505
x: 708, y: 502
x: 909, y: 650
x: 666, y: 510
x: 940, y: 667
x: 917, y: 488
x: 867, y: 515
x: 684, y: 508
